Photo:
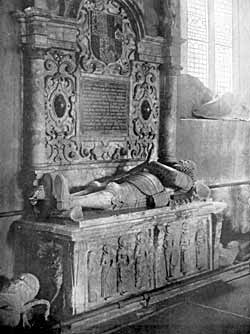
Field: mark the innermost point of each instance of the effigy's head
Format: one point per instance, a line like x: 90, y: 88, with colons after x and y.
x: 201, y: 191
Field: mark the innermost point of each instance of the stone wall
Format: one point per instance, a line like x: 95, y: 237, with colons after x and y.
x: 10, y: 127
x: 220, y: 148
x: 221, y: 151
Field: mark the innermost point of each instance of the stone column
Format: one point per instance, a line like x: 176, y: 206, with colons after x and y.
x: 34, y: 108
x: 169, y: 73
x: 167, y: 140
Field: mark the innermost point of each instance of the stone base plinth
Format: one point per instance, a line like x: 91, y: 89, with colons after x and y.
x: 114, y: 258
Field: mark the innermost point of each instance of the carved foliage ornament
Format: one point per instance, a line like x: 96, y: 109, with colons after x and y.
x: 106, y: 41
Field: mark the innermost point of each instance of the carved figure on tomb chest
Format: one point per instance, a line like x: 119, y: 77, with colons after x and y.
x: 160, y: 261
x: 141, y: 260
x: 174, y: 258
x: 172, y: 250
x: 150, y: 258
x: 167, y: 252
x: 94, y: 275
x: 184, y: 245
x: 125, y: 280
x: 201, y: 248
x: 108, y: 272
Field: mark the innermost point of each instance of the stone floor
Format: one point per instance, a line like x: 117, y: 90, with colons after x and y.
x: 222, y: 308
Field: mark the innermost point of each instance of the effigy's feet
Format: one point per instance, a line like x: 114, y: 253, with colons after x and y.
x: 61, y: 191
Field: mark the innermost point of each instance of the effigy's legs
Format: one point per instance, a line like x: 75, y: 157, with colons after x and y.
x: 101, y: 199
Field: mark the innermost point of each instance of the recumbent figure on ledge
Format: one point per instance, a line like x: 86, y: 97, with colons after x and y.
x: 148, y: 185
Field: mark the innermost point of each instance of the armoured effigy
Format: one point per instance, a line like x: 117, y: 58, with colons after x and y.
x: 149, y: 185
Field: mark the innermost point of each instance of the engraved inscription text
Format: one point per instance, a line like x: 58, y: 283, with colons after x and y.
x: 104, y: 107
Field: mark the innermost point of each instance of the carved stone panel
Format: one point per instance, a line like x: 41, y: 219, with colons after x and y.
x: 144, y: 113
x: 98, y: 99
x: 103, y: 118
x: 104, y: 106
x: 112, y: 259
x: 60, y: 107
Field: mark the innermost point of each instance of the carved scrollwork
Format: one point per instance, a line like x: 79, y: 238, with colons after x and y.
x: 145, y: 110
x: 106, y: 40
x: 60, y: 99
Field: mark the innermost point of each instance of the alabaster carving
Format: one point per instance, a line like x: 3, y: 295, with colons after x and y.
x: 148, y: 185
x: 108, y: 272
x: 105, y: 259
x: 113, y: 220
x: 125, y: 266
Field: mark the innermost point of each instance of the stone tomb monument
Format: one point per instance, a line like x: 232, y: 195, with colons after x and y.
x: 91, y: 130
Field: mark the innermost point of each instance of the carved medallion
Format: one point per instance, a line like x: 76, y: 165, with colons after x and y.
x: 59, y: 105
x: 146, y: 110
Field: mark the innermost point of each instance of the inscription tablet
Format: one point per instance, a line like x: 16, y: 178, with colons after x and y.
x: 104, y: 107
